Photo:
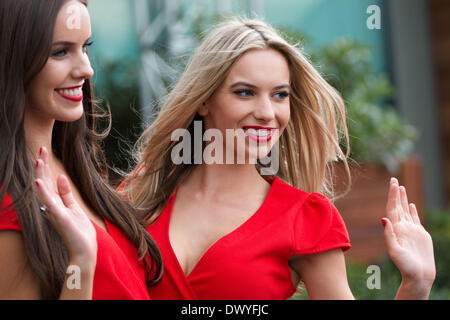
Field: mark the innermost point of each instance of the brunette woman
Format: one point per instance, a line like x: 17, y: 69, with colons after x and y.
x: 56, y: 243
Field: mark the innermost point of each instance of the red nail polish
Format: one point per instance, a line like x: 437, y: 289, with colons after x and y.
x: 37, y: 163
x: 40, y: 150
x: 37, y: 183
x: 383, y: 222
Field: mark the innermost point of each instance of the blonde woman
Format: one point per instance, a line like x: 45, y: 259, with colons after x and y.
x: 225, y: 231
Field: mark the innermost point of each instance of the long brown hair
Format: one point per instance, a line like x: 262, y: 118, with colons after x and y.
x: 308, y: 147
x: 26, y: 35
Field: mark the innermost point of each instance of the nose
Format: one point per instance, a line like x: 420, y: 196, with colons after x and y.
x: 264, y: 110
x: 82, y: 68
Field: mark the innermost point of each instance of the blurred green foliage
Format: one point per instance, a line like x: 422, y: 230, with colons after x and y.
x: 439, y: 228
x: 120, y: 91
x: 377, y: 133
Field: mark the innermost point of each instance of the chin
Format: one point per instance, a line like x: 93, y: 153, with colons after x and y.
x: 72, y: 116
x: 254, y: 156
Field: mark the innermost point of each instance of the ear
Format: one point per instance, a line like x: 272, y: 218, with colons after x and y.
x: 203, y: 110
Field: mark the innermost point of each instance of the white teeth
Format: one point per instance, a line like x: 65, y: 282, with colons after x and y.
x: 259, y: 132
x: 70, y: 92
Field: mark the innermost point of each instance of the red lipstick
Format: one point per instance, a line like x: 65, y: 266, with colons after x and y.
x: 259, y: 138
x: 77, y: 98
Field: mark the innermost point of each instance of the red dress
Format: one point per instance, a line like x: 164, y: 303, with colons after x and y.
x: 119, y: 274
x: 251, y: 262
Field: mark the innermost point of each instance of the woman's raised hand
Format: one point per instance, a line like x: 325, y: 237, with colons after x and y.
x: 69, y: 220
x: 408, y: 244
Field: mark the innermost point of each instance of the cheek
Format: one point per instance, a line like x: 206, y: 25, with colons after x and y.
x: 37, y: 94
x: 235, y: 111
x: 284, y: 116
x: 43, y: 83
x: 41, y: 89
x: 287, y: 112
x: 54, y: 74
x: 226, y: 113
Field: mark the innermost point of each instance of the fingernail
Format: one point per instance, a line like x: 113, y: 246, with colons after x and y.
x: 383, y: 222
x: 37, y: 163
x: 40, y: 150
x: 37, y: 182
x: 394, y: 180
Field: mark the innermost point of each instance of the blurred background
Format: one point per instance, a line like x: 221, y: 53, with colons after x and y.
x: 390, y: 60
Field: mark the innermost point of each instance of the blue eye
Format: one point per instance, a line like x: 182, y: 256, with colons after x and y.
x: 60, y: 53
x: 282, y: 95
x: 87, y: 45
x: 244, y: 93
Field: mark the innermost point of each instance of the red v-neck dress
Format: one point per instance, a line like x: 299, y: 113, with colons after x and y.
x: 119, y: 274
x: 251, y: 262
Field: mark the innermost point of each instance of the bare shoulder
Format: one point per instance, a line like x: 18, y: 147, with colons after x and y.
x: 323, y: 273
x: 17, y: 279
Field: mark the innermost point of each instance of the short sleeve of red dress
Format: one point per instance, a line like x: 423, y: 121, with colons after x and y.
x: 318, y: 227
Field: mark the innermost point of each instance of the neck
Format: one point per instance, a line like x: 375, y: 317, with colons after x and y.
x: 38, y: 133
x: 221, y: 179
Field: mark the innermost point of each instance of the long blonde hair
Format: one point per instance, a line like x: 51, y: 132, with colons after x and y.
x: 308, y: 146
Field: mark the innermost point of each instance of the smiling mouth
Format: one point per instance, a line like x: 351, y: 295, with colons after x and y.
x: 72, y: 94
x: 259, y: 134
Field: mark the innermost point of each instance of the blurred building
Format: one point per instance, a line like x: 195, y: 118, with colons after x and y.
x: 439, y: 17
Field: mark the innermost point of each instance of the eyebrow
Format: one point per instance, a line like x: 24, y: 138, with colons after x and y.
x: 67, y: 43
x: 246, y: 84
